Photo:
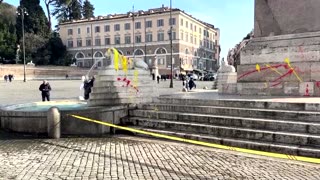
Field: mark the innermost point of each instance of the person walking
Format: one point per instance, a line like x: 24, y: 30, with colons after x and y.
x: 158, y: 79
x: 45, y: 89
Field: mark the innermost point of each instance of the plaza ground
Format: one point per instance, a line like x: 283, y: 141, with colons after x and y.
x: 126, y: 157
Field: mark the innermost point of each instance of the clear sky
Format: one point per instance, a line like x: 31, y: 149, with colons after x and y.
x: 234, y: 18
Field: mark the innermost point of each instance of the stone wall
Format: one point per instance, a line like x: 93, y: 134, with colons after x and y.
x: 43, y: 72
x: 278, y: 17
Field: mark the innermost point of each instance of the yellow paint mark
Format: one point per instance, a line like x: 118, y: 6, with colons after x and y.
x: 294, y: 72
x: 274, y: 69
x: 109, y: 52
x: 124, y: 64
x: 258, y: 67
x: 116, y: 59
x: 135, y: 78
x: 249, y: 151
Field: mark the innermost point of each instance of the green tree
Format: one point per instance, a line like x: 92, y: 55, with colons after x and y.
x: 35, y: 21
x: 57, y: 49
x: 48, y: 3
x: 33, y: 44
x: 66, y: 10
x: 7, y: 32
x: 87, y: 9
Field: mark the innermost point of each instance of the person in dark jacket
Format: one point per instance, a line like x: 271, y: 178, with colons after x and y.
x: 45, y: 89
x: 88, y: 84
x: 191, y: 84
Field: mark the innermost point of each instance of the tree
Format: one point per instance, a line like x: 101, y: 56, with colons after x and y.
x: 33, y: 45
x: 87, y: 9
x: 8, y: 36
x: 48, y: 3
x: 35, y: 22
x: 66, y: 10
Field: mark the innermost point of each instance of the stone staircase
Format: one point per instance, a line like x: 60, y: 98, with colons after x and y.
x: 290, y: 128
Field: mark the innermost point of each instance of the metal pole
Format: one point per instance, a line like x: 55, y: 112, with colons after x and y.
x: 24, y: 51
x: 171, y: 80
x: 133, y: 36
x: 92, y: 46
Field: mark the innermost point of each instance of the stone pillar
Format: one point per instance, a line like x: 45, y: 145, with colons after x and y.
x: 53, y: 118
x: 226, y: 79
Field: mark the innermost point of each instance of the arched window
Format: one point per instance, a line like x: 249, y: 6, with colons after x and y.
x: 98, y: 54
x: 161, y: 51
x: 138, y: 52
x: 79, y: 55
x: 187, y: 51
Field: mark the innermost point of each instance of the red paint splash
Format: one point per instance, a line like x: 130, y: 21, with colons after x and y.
x: 127, y: 83
x: 307, y: 91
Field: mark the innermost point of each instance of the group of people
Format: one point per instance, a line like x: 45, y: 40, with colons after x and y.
x: 188, y: 83
x: 8, y: 77
x: 87, y: 84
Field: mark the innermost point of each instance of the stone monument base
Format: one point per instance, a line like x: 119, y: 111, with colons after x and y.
x: 281, y: 65
x: 113, y: 87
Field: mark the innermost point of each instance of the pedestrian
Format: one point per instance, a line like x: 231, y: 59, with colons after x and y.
x: 45, y: 89
x: 191, y: 84
x: 6, y: 78
x: 10, y: 77
x: 67, y: 76
x: 158, y: 79
x: 88, y: 84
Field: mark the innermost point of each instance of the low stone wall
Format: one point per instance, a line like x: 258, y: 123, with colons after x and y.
x: 43, y: 72
x: 36, y: 122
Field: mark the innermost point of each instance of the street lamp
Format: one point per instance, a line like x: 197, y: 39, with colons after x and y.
x: 171, y: 79
x: 23, y: 12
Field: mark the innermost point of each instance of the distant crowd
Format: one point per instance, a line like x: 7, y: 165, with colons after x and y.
x: 8, y: 77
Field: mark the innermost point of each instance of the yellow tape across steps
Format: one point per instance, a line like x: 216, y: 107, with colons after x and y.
x: 249, y: 151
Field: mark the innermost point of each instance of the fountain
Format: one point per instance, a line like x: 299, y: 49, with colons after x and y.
x: 117, y: 87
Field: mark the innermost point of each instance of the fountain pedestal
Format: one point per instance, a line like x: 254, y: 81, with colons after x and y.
x: 113, y: 87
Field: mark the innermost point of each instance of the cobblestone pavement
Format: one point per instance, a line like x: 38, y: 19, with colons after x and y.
x: 124, y: 157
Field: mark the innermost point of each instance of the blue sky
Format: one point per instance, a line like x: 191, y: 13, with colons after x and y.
x: 234, y: 17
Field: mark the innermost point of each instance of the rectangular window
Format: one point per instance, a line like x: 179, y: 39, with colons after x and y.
x: 172, y: 21
x: 107, y: 40
x: 117, y: 40
x: 117, y: 27
x: 97, y: 42
x: 187, y: 37
x: 97, y: 29
x: 137, y: 25
x: 138, y: 38
x: 174, y: 36
x: 127, y: 39
x: 181, y: 22
x: 149, y: 24
x: 187, y: 24
x: 160, y: 36
x: 191, y: 38
x: 127, y: 26
x: 149, y: 37
x: 88, y: 42
x: 191, y: 26
x: 107, y: 28
x: 200, y: 30
x: 79, y: 42
x: 70, y: 32
x: 88, y: 30
x: 70, y: 43
x: 160, y: 22
x: 181, y: 35
x: 195, y: 28
x: 79, y: 31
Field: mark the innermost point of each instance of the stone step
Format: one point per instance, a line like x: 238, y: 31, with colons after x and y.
x: 129, y: 95
x: 305, y: 116
x: 117, y: 101
x: 120, y: 89
x: 230, y: 132
x: 115, y: 83
x: 263, y: 104
x: 242, y: 143
x: 253, y: 123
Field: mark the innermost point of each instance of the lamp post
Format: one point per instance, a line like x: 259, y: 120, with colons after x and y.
x: 171, y: 79
x: 23, y: 12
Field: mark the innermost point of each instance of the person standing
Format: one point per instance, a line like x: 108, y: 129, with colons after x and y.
x: 158, y: 79
x: 45, y: 89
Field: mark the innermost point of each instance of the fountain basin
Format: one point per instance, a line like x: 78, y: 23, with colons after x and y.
x: 32, y: 117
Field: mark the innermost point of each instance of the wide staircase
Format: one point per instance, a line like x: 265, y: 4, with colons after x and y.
x: 260, y: 125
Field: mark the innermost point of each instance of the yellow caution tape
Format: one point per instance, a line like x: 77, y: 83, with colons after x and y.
x: 249, y: 151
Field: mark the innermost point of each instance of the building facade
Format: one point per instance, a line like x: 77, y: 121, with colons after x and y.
x: 145, y: 35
